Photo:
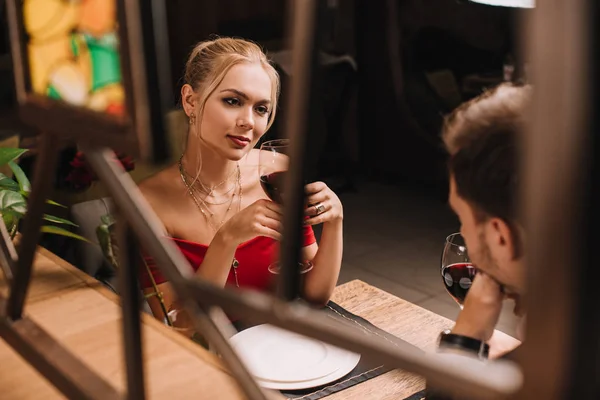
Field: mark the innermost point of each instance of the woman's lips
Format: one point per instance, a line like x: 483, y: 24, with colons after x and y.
x: 239, y: 141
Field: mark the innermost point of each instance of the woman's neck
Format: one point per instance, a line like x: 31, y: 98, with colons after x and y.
x: 214, y: 168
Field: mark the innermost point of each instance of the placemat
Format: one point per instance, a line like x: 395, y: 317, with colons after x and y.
x: 363, y: 371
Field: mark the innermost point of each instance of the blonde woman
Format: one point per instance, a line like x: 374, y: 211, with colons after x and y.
x: 211, y: 202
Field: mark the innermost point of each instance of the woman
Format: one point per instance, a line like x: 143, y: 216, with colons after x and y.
x: 211, y: 202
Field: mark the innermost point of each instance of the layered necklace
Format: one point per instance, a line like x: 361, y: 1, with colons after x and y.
x: 202, y: 203
x: 209, y: 193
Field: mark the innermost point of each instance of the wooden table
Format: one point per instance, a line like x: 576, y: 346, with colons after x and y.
x: 405, y: 320
x: 85, y: 317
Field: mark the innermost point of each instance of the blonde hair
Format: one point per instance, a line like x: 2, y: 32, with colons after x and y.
x: 502, y: 108
x: 210, y: 61
x: 483, y: 139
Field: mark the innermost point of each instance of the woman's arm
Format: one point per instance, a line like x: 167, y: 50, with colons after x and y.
x: 218, y: 259
x: 326, y: 208
x: 327, y: 261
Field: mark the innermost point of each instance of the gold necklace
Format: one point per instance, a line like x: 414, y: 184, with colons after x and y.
x: 209, y: 191
x: 225, y: 195
x: 206, y: 210
x: 234, y: 263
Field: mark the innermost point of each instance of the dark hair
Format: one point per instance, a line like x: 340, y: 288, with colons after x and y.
x: 482, y: 138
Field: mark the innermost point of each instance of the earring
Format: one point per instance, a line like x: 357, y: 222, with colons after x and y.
x: 192, y: 118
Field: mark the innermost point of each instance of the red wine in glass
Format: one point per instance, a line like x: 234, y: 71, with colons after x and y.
x: 458, y: 279
x: 457, y: 269
x: 273, y: 163
x: 273, y: 185
x: 273, y: 167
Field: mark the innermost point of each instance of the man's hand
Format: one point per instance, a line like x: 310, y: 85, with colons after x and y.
x: 481, y: 309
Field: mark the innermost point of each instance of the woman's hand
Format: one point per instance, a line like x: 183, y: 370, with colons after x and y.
x: 261, y: 218
x: 323, y: 204
x: 481, y: 309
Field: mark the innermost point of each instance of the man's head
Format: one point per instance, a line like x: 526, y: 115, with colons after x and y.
x: 481, y: 137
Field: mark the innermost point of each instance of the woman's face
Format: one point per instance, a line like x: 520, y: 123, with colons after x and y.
x: 237, y: 112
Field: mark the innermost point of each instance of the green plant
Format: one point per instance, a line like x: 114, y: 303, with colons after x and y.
x: 13, y: 198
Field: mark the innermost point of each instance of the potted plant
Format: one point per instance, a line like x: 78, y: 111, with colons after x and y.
x: 13, y: 198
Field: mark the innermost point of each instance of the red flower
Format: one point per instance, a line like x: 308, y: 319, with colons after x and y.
x: 82, y: 176
x: 80, y: 179
x: 127, y: 162
x: 78, y: 161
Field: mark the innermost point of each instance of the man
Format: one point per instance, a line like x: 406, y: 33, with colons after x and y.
x: 482, y: 139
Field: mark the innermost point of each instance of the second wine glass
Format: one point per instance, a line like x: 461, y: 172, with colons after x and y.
x: 457, y: 269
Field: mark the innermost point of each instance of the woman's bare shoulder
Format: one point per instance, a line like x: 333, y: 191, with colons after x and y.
x: 159, y: 191
x: 157, y: 187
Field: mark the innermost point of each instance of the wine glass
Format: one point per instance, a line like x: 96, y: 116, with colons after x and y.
x: 303, y: 268
x: 457, y: 269
x: 273, y: 162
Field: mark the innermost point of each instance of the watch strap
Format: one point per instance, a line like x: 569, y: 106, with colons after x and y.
x: 450, y: 340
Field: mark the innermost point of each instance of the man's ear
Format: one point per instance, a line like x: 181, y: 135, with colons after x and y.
x: 188, y: 99
x: 501, y: 240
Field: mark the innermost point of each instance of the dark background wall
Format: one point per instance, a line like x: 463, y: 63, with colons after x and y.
x: 382, y: 119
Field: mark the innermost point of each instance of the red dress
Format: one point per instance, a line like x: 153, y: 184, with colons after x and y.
x: 254, y: 258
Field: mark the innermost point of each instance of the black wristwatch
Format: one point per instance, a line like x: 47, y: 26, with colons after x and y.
x: 449, y: 340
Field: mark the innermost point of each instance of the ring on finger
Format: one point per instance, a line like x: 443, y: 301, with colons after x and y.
x: 319, y: 208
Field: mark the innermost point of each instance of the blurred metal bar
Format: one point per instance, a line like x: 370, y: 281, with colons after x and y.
x: 130, y: 294
x: 138, y: 213
x: 304, y: 19
x: 43, y: 179
x: 585, y: 364
x: 14, y: 13
x: 138, y: 84
x: 158, y: 74
x: 66, y: 372
x: 556, y: 207
x: 218, y: 339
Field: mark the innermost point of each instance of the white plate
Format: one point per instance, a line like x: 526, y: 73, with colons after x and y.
x: 280, y: 359
x: 315, y: 382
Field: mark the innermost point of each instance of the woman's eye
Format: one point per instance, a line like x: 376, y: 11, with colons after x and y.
x: 262, y: 110
x: 232, y: 101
